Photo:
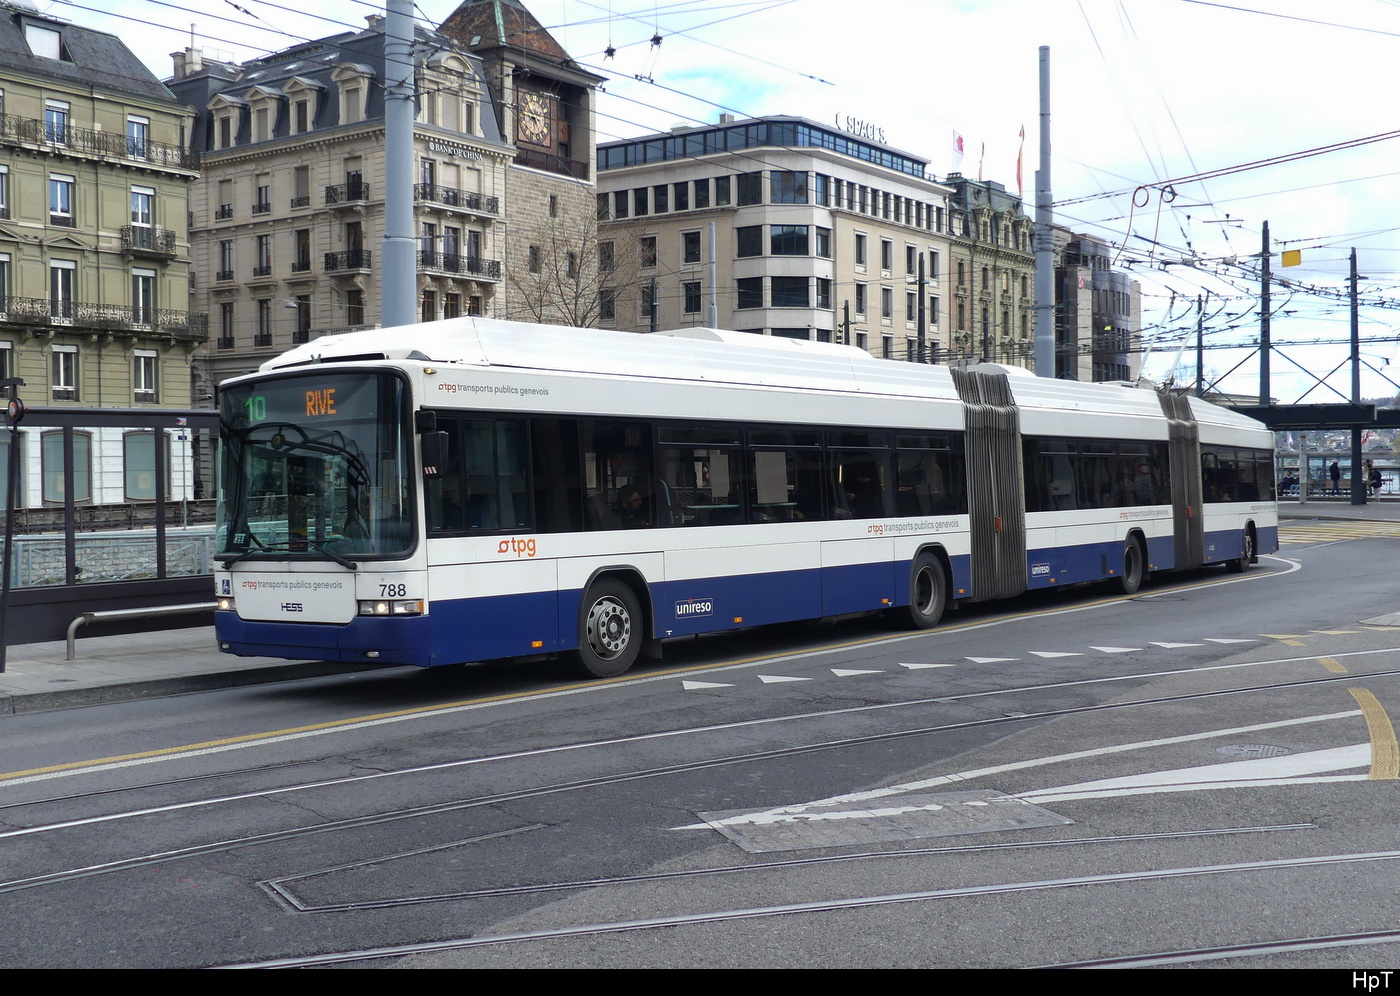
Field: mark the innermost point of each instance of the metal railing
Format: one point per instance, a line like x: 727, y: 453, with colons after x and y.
x: 223, y: 212
x: 16, y: 130
x: 551, y: 163
x: 473, y: 266
x: 346, y: 192
x: 300, y: 202
x: 452, y: 197
x: 46, y: 311
x: 350, y: 259
x: 143, y: 239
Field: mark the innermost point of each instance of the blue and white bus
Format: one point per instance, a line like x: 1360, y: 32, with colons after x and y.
x: 472, y: 489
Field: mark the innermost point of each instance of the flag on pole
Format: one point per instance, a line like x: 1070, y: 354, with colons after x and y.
x: 1020, y: 154
x: 957, y: 150
x: 981, y: 156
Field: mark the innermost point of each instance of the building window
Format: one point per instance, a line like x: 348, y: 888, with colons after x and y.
x: 143, y: 201
x: 264, y: 336
x: 534, y: 259
x: 620, y: 204
x: 886, y: 255
x: 748, y: 241
x: 7, y: 364
x: 143, y: 375
x: 56, y: 122
x: 51, y: 466
x: 911, y: 259
x: 692, y: 296
x: 571, y: 265
x: 4, y: 191
x: 303, y: 329
x: 61, y: 276
x: 639, y: 201
x: 263, y: 266
x: 860, y: 249
x: 886, y: 302
x: 821, y: 187
x: 301, y: 187
x: 749, y: 293
x: 5, y: 290
x: 690, y: 247
x: 61, y: 200
x: 823, y: 292
x: 824, y: 243
x: 451, y: 306
x: 301, y: 250
x: 860, y: 299
x: 429, y: 306
x: 721, y: 191
x: 646, y: 300
x: 355, y: 307
x: 789, y: 240
x: 138, y: 136
x: 65, y: 372
x: 646, y: 250
x: 607, y: 304
x: 788, y: 187
x: 933, y: 264
x: 607, y: 257
x: 43, y: 42
x: 226, y: 325
x: 659, y: 199
x: 682, y: 192
x: 139, y: 466
x: 143, y: 297
x: 702, y: 193
x: 553, y: 205
x: 750, y: 189
x: 790, y: 292
x: 911, y: 307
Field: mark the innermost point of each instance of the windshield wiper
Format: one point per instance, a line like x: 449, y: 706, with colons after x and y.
x: 229, y: 560
x: 348, y: 564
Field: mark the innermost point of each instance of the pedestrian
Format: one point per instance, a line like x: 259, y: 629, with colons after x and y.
x: 1335, y: 472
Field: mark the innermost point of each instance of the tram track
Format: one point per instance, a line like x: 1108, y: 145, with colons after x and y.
x: 575, y: 785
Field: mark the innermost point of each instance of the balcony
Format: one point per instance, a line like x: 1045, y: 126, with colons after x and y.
x: 157, y: 243
x: 224, y: 212
x: 469, y: 266
x: 262, y: 271
x: 451, y: 197
x: 262, y: 339
x: 15, y: 130
x: 301, y: 265
x: 347, y: 193
x: 39, y: 311
x: 62, y: 220
x: 225, y: 342
x: 351, y: 259
x: 300, y: 202
x: 262, y: 207
x: 224, y: 275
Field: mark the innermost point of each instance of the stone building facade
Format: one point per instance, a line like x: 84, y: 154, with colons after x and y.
x: 94, y: 248
x: 993, y: 274
x: 1098, y: 312
x: 819, y: 234
x: 288, y: 218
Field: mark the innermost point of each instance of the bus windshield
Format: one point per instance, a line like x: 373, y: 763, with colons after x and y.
x: 316, y: 464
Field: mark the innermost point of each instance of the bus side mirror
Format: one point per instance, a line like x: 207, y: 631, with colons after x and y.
x: 434, y: 453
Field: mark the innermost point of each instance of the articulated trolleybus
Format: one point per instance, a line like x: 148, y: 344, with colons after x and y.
x: 470, y: 489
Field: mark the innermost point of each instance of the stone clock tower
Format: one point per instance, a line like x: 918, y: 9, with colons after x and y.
x: 545, y: 102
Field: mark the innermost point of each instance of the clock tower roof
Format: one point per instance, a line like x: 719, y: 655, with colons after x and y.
x: 487, y: 24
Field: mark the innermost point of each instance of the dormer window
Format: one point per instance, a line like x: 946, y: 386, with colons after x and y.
x: 303, y: 104
x: 44, y: 42
x: 353, y: 82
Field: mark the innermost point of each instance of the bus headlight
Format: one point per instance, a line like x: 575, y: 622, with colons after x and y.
x: 399, y: 607
x: 225, y: 604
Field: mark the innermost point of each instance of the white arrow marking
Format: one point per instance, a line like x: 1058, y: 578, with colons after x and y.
x: 1117, y: 650
x: 1173, y: 646
x: 1053, y: 653
x: 691, y: 686
x: 992, y: 660
x: 916, y: 667
x: 846, y: 673
x: 770, y: 679
x: 1213, y: 639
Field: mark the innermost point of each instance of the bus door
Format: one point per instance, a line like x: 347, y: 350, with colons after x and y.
x: 1184, y: 441
x: 996, y: 499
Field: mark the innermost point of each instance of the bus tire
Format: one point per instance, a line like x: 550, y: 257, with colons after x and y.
x: 1134, y: 566
x: 928, y: 591
x: 610, y: 629
x: 1241, y: 563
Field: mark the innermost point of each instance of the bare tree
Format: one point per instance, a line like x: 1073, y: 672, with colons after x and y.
x: 570, y: 274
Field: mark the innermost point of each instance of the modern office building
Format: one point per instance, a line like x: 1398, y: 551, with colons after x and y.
x: 94, y: 250
x: 819, y: 233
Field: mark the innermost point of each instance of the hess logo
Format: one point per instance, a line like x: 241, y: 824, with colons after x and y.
x: 520, y: 547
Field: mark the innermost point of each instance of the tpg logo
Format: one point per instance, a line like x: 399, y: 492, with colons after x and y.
x: 520, y: 547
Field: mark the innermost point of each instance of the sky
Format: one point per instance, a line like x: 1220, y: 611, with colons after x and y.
x: 1142, y: 92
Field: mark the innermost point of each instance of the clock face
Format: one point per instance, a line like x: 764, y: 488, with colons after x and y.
x: 533, y: 124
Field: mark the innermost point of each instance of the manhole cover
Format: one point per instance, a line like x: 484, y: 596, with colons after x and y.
x: 887, y: 820
x: 1253, y: 750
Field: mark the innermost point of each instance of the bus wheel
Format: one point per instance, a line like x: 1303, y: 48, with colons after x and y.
x: 1134, y: 567
x: 1241, y: 564
x: 928, y: 591
x: 611, y: 634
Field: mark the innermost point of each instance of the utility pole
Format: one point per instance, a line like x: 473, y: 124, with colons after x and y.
x: 1265, y: 395
x: 923, y: 327
x: 1358, y: 475
x: 1044, y: 236
x: 1200, y: 349
x: 398, y: 274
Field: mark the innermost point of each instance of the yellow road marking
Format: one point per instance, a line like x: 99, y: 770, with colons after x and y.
x: 1332, y: 664
x: 1385, y: 752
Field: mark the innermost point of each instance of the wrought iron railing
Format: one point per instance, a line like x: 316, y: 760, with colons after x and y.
x: 224, y: 212
x: 346, y: 192
x: 263, y: 271
x: 473, y: 266
x: 350, y: 259
x: 262, y: 207
x: 262, y: 339
x: 47, y: 311
x: 452, y: 197
x: 303, y: 201
x: 156, y: 241
x: 16, y: 130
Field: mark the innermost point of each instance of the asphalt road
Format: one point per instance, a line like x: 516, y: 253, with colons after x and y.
x: 1203, y: 774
